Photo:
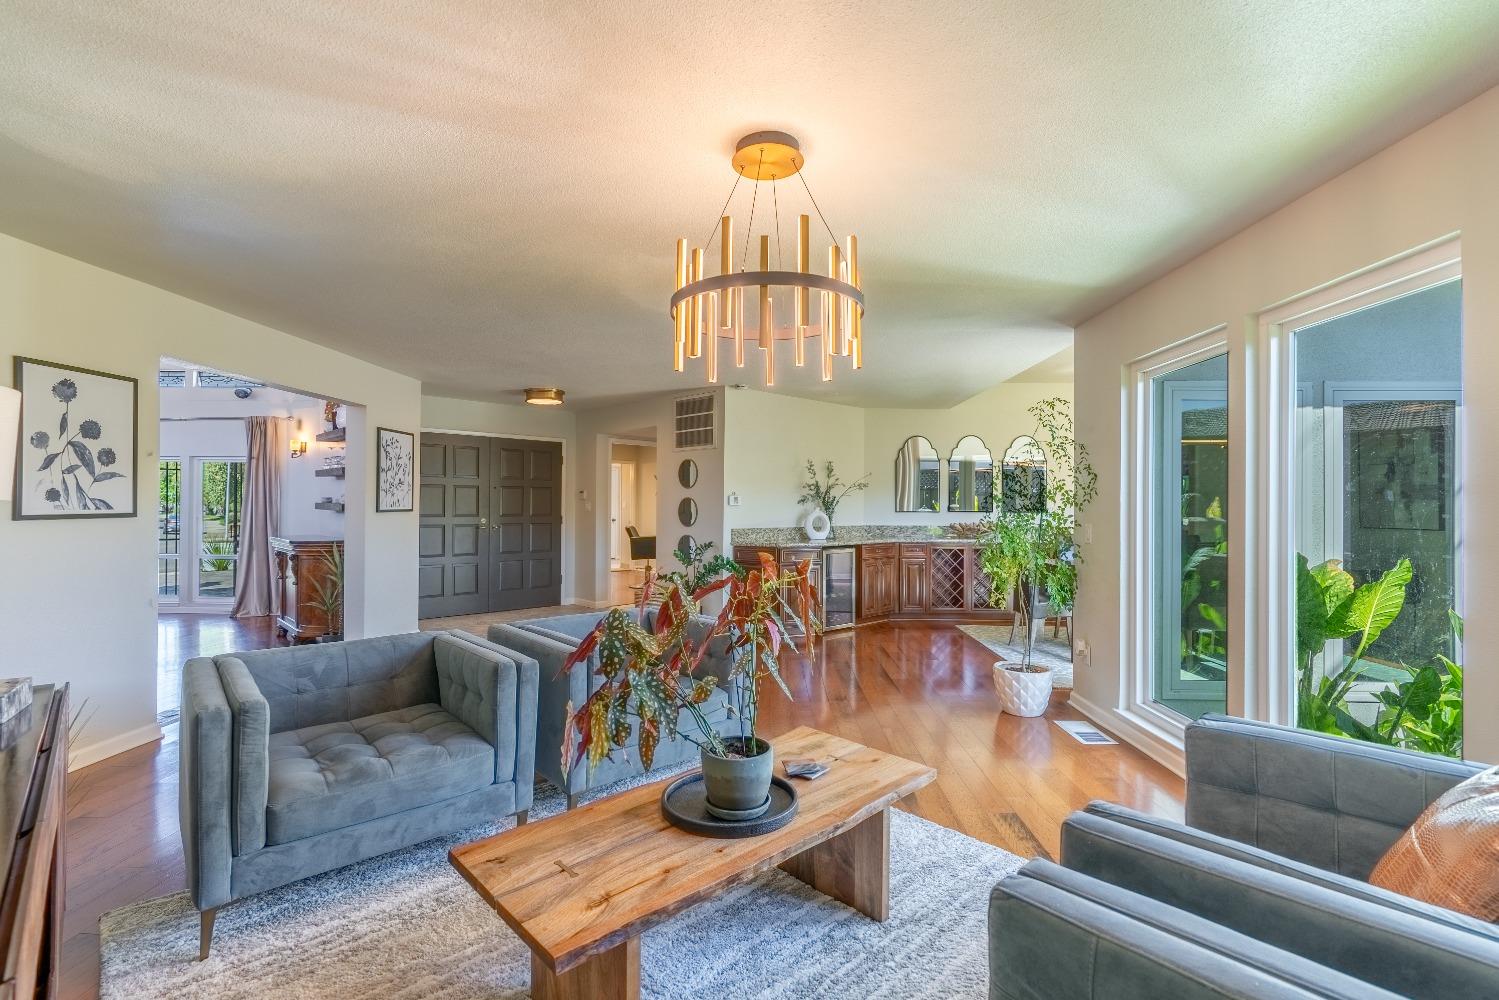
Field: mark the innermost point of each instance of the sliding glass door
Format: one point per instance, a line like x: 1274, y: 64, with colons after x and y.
x: 1188, y: 524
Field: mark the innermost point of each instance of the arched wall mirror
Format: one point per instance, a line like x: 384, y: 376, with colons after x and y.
x: 1023, y: 477
x: 687, y: 473
x: 970, y: 477
x: 687, y: 545
x: 918, y: 476
x: 687, y: 512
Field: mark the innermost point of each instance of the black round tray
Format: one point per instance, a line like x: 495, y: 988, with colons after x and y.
x: 684, y: 804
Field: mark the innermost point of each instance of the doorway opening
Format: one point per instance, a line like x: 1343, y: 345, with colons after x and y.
x: 244, y: 469
x: 632, y: 513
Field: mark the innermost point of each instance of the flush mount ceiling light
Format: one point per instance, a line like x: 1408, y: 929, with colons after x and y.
x: 785, y: 304
x: 544, y: 397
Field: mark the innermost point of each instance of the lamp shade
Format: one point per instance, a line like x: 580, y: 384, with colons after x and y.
x: 10, y: 435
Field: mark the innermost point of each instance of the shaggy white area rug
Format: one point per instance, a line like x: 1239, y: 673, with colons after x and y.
x: 406, y: 926
x: 1048, y: 652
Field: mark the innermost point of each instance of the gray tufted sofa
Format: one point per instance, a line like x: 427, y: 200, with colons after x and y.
x: 1260, y: 894
x: 299, y: 760
x: 550, y: 641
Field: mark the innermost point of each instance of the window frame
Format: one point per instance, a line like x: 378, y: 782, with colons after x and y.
x: 1270, y: 494
x: 1141, y: 475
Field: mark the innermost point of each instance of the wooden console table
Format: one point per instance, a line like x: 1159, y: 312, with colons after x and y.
x: 33, y: 773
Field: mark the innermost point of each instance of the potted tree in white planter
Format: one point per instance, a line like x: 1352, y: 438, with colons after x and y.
x: 1035, y: 555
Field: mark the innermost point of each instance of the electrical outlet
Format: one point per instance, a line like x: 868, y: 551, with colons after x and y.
x: 732, y: 499
x: 1081, y: 654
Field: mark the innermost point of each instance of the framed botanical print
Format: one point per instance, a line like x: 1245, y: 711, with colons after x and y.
x: 395, y: 472
x: 77, y: 455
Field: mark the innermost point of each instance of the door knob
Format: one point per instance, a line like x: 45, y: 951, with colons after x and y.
x: 483, y: 522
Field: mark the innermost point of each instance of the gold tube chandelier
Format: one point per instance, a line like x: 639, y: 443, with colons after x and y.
x: 794, y: 305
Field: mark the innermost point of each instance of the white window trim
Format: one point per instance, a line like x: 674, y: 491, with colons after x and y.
x: 1140, y: 555
x: 1264, y: 525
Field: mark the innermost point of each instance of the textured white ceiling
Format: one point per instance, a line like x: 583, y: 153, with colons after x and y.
x: 486, y: 195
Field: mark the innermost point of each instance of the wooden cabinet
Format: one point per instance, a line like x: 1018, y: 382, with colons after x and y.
x: 938, y: 579
x: 303, y: 565
x: 748, y: 556
x: 33, y: 775
x: 877, y: 581
x: 912, y: 597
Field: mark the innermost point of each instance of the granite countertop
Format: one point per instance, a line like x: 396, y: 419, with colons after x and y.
x: 846, y: 534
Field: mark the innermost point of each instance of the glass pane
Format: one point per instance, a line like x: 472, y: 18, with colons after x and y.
x: 1189, y: 514
x: 221, y: 495
x: 168, y: 526
x: 1379, y: 396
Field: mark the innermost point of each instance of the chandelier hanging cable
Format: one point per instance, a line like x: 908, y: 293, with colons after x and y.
x: 705, y: 309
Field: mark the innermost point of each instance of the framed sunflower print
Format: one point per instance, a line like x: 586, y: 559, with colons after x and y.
x: 77, y: 454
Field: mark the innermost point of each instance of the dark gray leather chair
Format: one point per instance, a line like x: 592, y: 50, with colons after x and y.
x: 303, y: 759
x: 1283, y: 826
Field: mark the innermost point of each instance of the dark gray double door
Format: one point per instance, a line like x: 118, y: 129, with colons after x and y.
x: 491, y: 524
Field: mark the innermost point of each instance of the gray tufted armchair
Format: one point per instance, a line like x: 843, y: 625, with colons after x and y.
x: 300, y: 760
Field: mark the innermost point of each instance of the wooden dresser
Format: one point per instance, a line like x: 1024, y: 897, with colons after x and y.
x: 33, y: 774
x: 301, y: 563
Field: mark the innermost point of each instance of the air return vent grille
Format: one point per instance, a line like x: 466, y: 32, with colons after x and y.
x: 694, y: 422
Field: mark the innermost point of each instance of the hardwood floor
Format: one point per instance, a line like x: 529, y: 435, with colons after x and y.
x: 180, y: 637
x: 921, y: 690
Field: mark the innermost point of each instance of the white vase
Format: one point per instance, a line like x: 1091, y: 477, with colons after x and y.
x: 1022, y: 693
x: 817, y: 525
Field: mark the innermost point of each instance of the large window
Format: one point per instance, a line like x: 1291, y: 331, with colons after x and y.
x: 221, y: 493
x: 1377, y: 540
x: 1188, y: 511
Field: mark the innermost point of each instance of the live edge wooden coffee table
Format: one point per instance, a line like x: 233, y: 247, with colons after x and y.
x: 580, y: 888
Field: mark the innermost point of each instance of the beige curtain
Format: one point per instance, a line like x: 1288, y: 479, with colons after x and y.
x: 254, y: 572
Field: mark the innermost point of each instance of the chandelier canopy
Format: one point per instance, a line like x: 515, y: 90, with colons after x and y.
x: 785, y: 304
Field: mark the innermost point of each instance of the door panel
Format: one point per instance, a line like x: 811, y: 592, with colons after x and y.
x: 526, y: 563
x: 454, y: 533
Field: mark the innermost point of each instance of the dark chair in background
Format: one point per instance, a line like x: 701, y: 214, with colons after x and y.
x: 641, y: 547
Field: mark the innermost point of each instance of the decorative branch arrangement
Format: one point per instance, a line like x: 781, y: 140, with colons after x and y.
x: 652, y: 673
x: 828, y: 492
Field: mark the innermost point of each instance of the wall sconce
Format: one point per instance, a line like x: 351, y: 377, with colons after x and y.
x: 298, y: 447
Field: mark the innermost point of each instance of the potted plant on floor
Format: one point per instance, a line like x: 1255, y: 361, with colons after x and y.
x: 328, y: 593
x: 650, y: 674
x: 1035, y: 555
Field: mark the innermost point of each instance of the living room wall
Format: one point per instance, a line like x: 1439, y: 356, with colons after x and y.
x: 769, y: 437
x: 1434, y: 183
x: 78, y: 597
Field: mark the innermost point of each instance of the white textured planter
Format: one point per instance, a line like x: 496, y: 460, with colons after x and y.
x: 1021, y: 693
x: 817, y: 525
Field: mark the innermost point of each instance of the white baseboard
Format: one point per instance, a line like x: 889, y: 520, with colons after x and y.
x: 92, y: 753
x: 1152, y: 742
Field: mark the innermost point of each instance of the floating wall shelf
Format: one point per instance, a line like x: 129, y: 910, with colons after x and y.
x: 337, y: 508
x: 337, y: 434
x: 330, y: 472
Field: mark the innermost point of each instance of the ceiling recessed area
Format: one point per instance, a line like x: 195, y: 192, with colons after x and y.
x: 487, y: 198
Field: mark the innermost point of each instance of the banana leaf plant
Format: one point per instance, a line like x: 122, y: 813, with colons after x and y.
x: 1420, y: 708
x: 652, y: 673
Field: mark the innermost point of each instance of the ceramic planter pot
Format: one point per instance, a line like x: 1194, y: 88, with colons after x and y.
x: 1021, y: 692
x: 738, y: 787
